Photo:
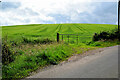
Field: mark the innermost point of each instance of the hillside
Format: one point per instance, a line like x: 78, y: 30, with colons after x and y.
x: 85, y: 31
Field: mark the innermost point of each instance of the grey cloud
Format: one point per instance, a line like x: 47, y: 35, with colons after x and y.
x: 104, y: 12
x: 5, y: 6
x: 106, y: 8
x: 26, y: 12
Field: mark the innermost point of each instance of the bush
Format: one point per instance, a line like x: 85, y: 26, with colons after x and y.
x: 7, y: 52
x: 107, y: 35
x: 41, y: 41
x: 14, y: 43
x: 95, y: 37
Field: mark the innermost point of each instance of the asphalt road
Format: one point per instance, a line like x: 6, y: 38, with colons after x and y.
x: 101, y: 65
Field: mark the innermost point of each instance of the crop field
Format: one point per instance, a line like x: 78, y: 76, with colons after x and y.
x: 42, y: 31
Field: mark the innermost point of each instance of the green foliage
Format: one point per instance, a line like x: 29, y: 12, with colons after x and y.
x: 27, y: 63
x: 7, y: 52
x: 20, y: 52
x: 107, y: 35
x: 104, y: 43
x: 72, y: 42
x: 35, y: 41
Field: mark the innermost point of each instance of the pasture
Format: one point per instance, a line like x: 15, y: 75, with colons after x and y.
x: 43, y: 31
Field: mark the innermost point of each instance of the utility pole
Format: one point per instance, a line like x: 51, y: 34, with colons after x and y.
x: 118, y: 14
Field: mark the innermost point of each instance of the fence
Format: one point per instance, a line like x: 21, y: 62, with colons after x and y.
x: 68, y: 36
x: 76, y: 37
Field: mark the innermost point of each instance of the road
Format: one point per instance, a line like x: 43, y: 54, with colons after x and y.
x: 101, y: 65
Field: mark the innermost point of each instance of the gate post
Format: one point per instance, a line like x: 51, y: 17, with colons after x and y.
x: 57, y: 37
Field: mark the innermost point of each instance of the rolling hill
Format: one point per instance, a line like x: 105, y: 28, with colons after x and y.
x: 85, y: 31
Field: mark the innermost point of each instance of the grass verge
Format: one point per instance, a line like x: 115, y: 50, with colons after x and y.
x: 29, y: 57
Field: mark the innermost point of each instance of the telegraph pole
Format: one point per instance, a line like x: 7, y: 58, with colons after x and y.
x: 118, y: 14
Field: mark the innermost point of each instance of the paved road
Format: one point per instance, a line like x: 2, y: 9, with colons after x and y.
x: 101, y: 65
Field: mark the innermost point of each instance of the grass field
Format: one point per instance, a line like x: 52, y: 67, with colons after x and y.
x: 22, y: 58
x: 85, y: 31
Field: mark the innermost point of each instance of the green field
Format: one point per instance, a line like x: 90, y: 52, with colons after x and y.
x: 21, y: 56
x: 42, y: 31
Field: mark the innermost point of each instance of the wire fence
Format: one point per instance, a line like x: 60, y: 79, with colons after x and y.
x: 72, y: 38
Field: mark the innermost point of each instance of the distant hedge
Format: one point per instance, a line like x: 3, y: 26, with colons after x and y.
x: 107, y: 35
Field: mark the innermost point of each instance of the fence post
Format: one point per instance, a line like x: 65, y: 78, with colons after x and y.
x: 57, y: 37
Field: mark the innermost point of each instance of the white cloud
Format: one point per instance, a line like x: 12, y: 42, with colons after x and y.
x: 42, y: 11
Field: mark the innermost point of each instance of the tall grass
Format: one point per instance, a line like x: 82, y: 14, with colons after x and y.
x: 28, y: 57
x: 26, y: 63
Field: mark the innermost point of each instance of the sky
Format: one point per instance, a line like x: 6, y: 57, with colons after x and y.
x: 19, y: 12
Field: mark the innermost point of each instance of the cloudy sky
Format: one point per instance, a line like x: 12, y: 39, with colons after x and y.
x: 17, y: 12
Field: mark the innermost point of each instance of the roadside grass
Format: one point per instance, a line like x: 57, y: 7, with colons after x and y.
x: 102, y: 44
x: 30, y: 57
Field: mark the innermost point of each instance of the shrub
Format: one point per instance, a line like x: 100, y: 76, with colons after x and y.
x: 41, y: 41
x: 7, y: 52
x: 95, y: 37
x: 14, y: 43
x: 107, y: 35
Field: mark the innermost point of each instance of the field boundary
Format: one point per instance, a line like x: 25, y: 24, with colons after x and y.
x: 69, y: 36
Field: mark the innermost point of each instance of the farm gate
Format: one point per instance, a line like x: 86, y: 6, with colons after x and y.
x: 68, y: 36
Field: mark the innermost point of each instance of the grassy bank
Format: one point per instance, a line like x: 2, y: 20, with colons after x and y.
x: 29, y: 57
